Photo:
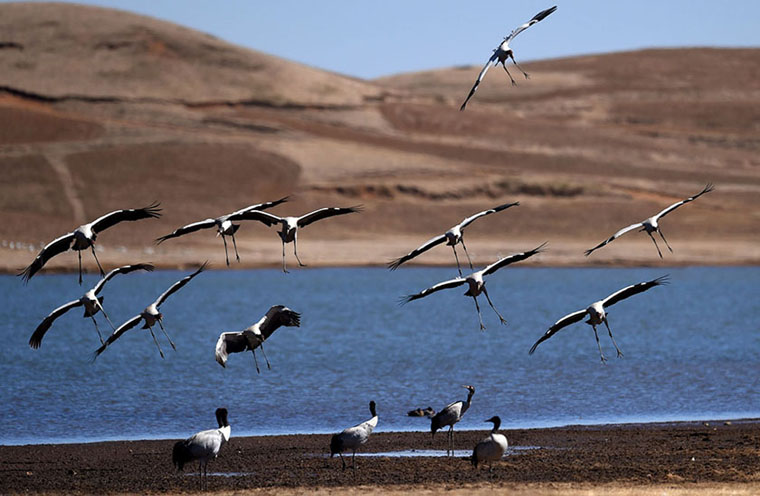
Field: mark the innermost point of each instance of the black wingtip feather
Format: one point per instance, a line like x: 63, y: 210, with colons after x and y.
x: 543, y: 14
x: 395, y: 264
x: 153, y: 210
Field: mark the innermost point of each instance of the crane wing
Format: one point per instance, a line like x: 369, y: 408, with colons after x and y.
x: 517, y: 257
x: 240, y: 214
x: 58, y: 245
x: 36, y: 340
x: 190, y: 228
x: 393, y: 265
x: 674, y: 206
x: 481, y: 75
x: 117, y: 334
x: 324, y: 213
x: 563, y: 322
x: 263, y: 217
x: 452, y: 283
x: 178, y: 285
x: 113, y: 218
x: 632, y: 290
x: 126, y: 269
x: 229, y: 342
x: 472, y: 218
x: 614, y: 236
x: 536, y: 18
x: 277, y: 316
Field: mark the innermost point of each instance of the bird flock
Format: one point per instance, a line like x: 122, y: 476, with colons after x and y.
x: 206, y: 445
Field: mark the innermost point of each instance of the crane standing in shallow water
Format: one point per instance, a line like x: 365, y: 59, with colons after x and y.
x: 450, y: 415
x: 492, y: 448
x: 353, y: 437
x: 202, y: 446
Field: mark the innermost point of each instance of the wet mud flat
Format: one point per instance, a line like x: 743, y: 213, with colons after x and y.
x: 677, y: 454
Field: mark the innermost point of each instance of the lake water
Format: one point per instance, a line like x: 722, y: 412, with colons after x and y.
x: 692, y: 351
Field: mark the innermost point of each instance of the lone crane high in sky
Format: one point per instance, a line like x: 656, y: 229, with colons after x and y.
x: 503, y: 52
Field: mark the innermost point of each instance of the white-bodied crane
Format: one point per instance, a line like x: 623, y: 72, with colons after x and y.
x: 652, y: 224
x: 475, y: 282
x: 492, y: 448
x: 224, y: 224
x: 353, y: 437
x: 202, y: 446
x: 151, y: 315
x: 597, y: 314
x: 90, y: 301
x: 84, y: 237
x: 254, y: 336
x: 290, y: 225
x: 451, y: 237
x: 503, y: 52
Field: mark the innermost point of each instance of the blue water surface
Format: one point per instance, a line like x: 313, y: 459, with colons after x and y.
x: 692, y: 351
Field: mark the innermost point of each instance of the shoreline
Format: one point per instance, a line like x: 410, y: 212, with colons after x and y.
x: 505, y: 427
x: 712, y: 454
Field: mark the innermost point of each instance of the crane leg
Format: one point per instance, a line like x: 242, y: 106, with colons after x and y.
x: 353, y: 460
x: 256, y: 361
x: 106, y: 316
x: 465, y: 252
x: 167, y: 335
x: 666, y: 241
x: 265, y: 355
x: 514, y: 83
x: 655, y: 244
x: 295, y: 250
x: 527, y: 76
x: 502, y: 319
x: 97, y: 261
x: 234, y: 244
x: 79, y: 253
x: 96, y: 328
x: 160, y: 351
x: 619, y: 353
x: 283, y: 258
x: 604, y: 360
x: 480, y: 317
x: 457, y: 259
x: 226, y: 256
x: 343, y: 460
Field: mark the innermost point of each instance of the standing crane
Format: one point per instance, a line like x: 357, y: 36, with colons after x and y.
x: 353, y: 437
x: 202, y: 446
x: 450, y: 415
x: 492, y: 448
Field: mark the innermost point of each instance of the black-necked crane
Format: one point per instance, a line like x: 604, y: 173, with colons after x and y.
x: 451, y: 237
x: 503, y: 52
x: 202, y: 446
x: 224, y: 224
x: 84, y: 237
x: 450, y: 415
x: 290, y: 225
x: 476, y: 284
x: 151, y: 315
x: 254, y: 336
x: 91, y: 302
x: 597, y: 314
x: 492, y: 448
x: 353, y: 437
x: 652, y: 224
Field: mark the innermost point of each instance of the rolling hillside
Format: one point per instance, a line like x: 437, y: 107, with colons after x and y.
x: 102, y: 109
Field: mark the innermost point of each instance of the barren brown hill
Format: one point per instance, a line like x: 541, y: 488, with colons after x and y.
x: 102, y: 109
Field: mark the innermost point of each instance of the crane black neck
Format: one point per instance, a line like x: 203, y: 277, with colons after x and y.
x: 221, y: 417
x: 372, y: 408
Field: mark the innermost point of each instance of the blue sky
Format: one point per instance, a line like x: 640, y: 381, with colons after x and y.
x: 370, y: 39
